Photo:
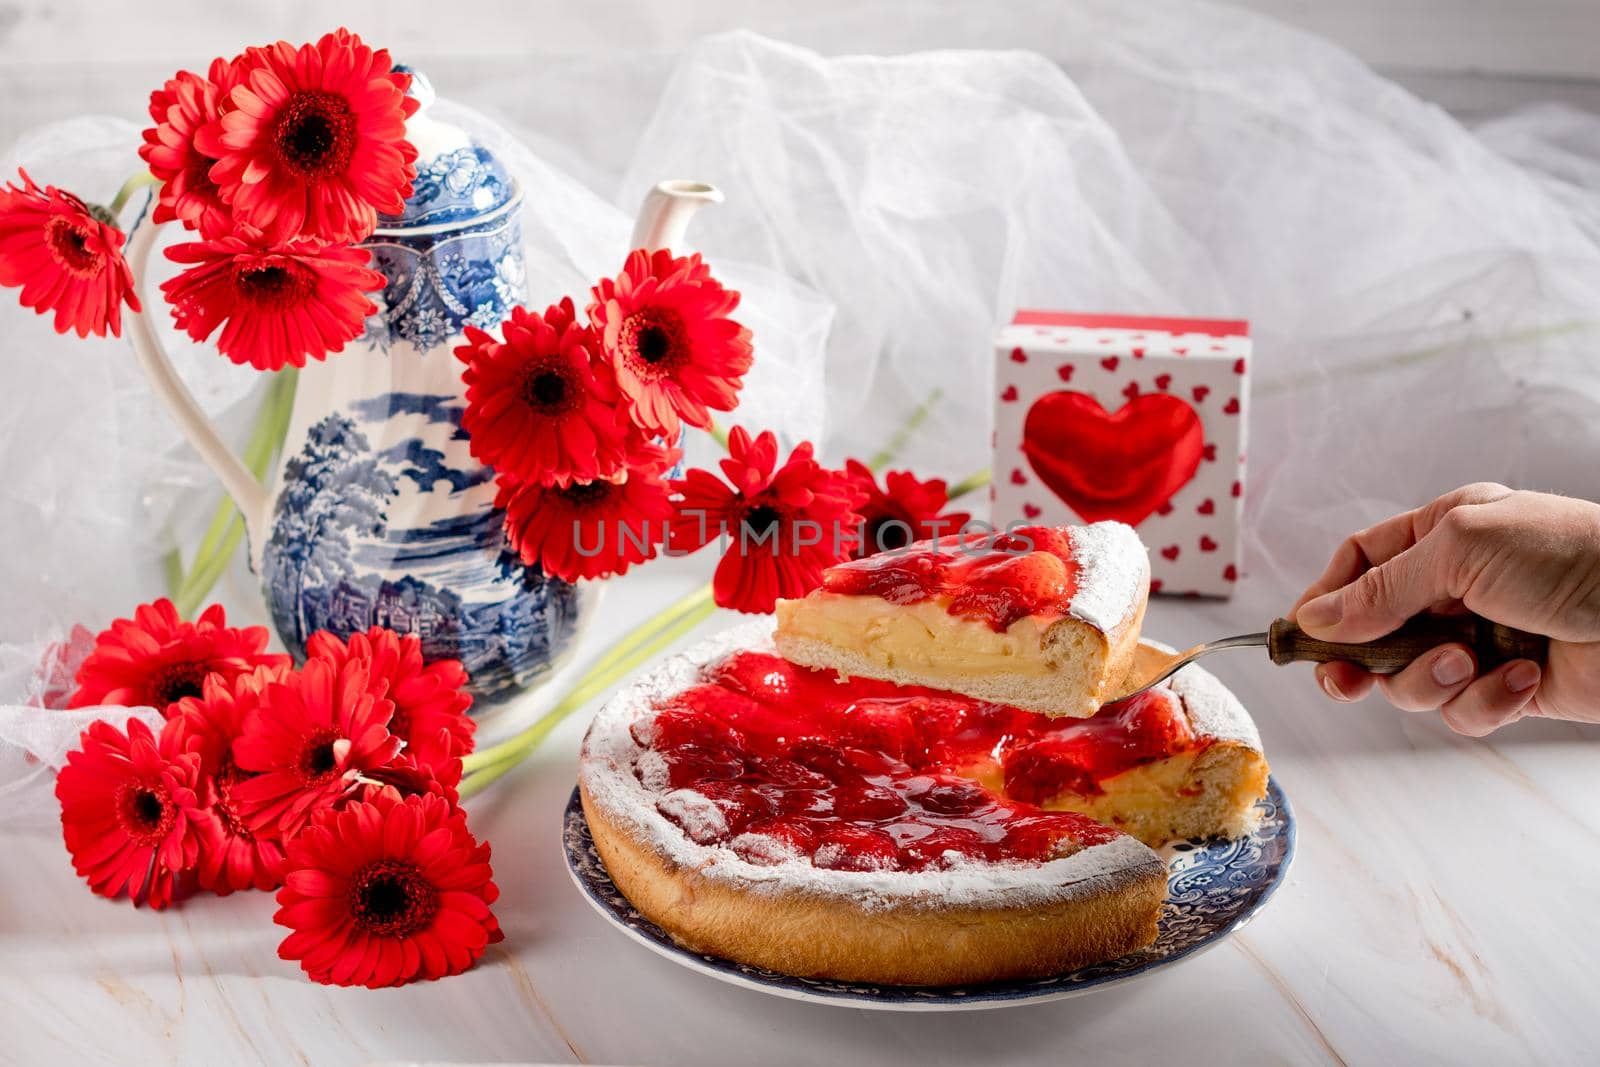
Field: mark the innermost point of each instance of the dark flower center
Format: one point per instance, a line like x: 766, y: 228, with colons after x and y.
x: 145, y: 812
x: 273, y: 283
x: 654, y: 342
x: 885, y: 533
x: 317, y: 761
x: 228, y: 776
x: 69, y: 242
x: 316, y: 134
x: 587, y: 494
x: 390, y: 898
x: 762, y: 523
x: 174, y: 681
x: 549, y: 390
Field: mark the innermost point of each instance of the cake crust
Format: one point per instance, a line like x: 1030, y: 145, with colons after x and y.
x: 817, y: 936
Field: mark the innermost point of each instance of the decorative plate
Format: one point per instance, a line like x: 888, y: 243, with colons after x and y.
x: 1213, y: 888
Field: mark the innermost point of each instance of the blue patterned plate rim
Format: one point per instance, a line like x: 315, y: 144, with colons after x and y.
x: 1213, y: 888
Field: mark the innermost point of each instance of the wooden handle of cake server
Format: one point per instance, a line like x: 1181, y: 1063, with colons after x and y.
x: 1490, y: 642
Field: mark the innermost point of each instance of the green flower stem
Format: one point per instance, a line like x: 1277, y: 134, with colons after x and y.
x: 719, y: 435
x: 129, y: 187
x: 971, y: 482
x: 492, y: 763
x: 222, y: 536
x: 886, y: 455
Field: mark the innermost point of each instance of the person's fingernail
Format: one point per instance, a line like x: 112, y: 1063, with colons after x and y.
x: 1522, y: 676
x: 1321, y: 613
x: 1333, y: 690
x: 1451, y: 667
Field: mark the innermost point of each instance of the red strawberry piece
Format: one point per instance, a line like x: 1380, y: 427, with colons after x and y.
x: 1047, y: 767
x: 1200, y: 392
x: 1206, y: 544
x: 740, y: 804
x: 955, y: 798
x: 1064, y: 372
x: 1110, y: 363
x: 943, y: 845
x: 677, y: 725
x: 1152, y: 728
x: 1010, y: 395
x: 1230, y: 573
x: 690, y: 765
x: 1013, y: 587
x: 856, y: 848
x: 868, y: 803
x: 1231, y: 407
x: 878, y: 726
x: 1169, y: 553
x: 1018, y: 355
x: 788, y: 773
x: 1207, y: 506
x: 1162, y: 381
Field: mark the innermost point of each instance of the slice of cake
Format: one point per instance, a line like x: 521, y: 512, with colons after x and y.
x: 1044, y: 618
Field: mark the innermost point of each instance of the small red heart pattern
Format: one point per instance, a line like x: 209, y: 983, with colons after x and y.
x: 1069, y: 460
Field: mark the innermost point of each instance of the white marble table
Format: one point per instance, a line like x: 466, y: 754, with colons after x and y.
x: 1441, y: 909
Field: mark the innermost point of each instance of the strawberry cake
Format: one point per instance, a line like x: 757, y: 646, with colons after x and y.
x: 1045, y: 618
x: 865, y: 831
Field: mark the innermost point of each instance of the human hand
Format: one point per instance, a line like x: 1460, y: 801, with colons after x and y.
x: 1528, y: 560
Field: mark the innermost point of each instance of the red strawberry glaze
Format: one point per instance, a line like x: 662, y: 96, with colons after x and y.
x: 998, y: 578
x: 865, y: 775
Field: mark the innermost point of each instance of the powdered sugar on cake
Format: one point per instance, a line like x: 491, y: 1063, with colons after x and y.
x: 1113, y: 567
x: 635, y: 802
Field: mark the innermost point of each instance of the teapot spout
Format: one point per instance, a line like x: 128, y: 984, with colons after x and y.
x: 666, y: 211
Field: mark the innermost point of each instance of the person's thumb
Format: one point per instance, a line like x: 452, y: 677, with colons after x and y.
x: 1379, y: 601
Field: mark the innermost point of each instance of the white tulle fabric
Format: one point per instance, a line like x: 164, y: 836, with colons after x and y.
x: 1425, y: 297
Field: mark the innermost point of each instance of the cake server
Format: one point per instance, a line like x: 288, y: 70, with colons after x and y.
x: 1492, y: 644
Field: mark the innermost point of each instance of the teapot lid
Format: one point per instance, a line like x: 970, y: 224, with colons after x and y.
x: 458, y: 179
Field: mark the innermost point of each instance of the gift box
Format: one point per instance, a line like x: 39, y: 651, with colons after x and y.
x: 1130, y: 418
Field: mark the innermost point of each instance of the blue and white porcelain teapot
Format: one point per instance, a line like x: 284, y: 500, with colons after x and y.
x: 378, y: 514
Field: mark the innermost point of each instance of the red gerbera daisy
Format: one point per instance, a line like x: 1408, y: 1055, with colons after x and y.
x: 231, y: 856
x: 313, y: 140
x: 539, y: 409
x: 664, y: 325
x: 181, y: 108
x: 129, y: 811
x: 276, y: 303
x: 904, y: 510
x: 155, y: 658
x: 308, y: 740
x: 387, y: 892
x: 588, y: 529
x: 66, y: 256
x: 784, y: 525
x: 430, y: 699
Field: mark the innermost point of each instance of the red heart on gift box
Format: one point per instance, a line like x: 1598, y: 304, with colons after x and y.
x: 1104, y: 465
